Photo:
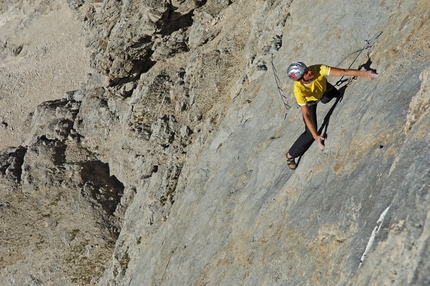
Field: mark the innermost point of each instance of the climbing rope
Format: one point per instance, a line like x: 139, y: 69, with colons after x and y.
x: 281, y: 94
x: 366, y: 46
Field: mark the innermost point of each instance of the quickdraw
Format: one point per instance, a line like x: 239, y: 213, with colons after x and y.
x: 281, y: 95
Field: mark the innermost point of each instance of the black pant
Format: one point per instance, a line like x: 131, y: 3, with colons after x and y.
x: 306, y: 139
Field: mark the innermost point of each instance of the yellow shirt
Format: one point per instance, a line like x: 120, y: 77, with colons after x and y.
x: 313, y: 91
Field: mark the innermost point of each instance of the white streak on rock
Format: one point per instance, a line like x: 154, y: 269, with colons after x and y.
x: 374, y: 233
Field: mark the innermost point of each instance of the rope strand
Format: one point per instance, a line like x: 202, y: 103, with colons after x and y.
x: 367, y: 46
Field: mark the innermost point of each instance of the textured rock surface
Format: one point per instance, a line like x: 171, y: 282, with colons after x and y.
x: 167, y: 167
x: 42, y: 55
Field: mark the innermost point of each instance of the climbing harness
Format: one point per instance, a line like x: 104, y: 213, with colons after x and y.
x: 366, y: 46
x: 281, y: 94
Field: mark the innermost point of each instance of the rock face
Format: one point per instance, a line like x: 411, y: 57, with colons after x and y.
x: 167, y: 167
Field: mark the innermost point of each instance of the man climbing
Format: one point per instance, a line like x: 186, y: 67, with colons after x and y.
x: 310, y: 87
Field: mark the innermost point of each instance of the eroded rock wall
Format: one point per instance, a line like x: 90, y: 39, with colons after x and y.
x: 167, y: 166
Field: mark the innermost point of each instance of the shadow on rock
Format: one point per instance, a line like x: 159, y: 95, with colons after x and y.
x: 98, y: 186
x: 323, y: 129
x: 11, y: 162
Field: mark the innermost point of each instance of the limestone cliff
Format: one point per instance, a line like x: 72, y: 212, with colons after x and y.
x: 167, y: 167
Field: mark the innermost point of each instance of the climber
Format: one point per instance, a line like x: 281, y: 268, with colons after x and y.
x: 310, y: 87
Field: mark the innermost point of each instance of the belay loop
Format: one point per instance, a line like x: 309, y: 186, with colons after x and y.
x: 281, y: 95
x: 367, y: 46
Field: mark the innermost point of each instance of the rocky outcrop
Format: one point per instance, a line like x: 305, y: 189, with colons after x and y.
x: 158, y: 32
x: 167, y: 166
x: 58, y: 204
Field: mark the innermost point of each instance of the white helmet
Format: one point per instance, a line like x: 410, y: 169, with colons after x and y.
x: 296, y: 70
